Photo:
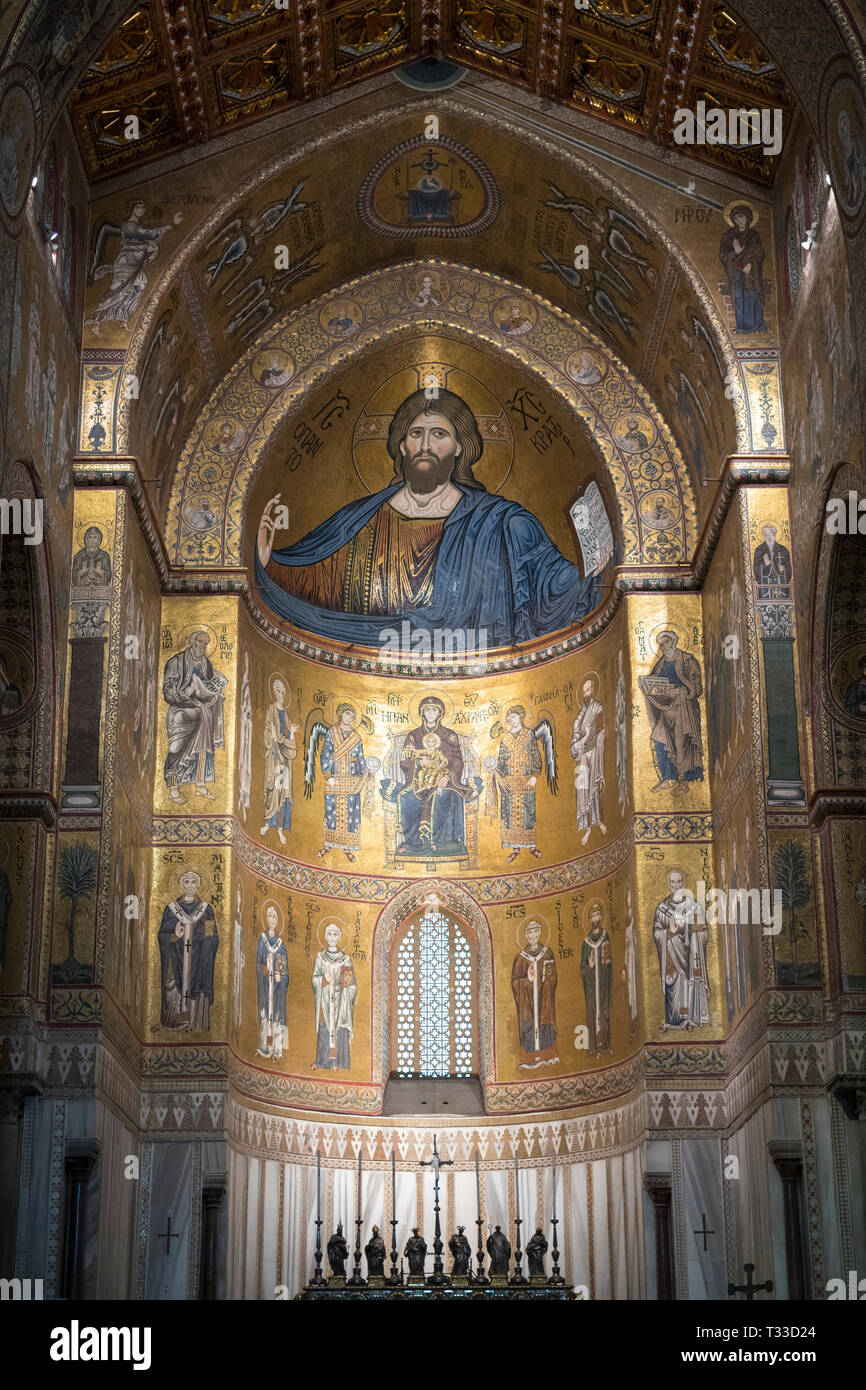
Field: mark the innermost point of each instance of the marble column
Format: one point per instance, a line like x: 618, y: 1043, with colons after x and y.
x: 787, y: 1154
x: 658, y: 1187
x: 212, y: 1200
x: 12, y: 1098
x: 81, y: 1155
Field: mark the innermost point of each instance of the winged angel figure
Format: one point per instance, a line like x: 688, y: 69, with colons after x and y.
x: 139, y: 246
x: 524, y: 753
x: 339, y: 749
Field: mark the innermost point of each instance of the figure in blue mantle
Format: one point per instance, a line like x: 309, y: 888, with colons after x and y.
x: 434, y: 548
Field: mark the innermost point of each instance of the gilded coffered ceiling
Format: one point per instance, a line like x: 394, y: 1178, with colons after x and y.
x: 189, y: 71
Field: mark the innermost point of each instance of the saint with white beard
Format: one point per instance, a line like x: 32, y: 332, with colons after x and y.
x: 681, y: 941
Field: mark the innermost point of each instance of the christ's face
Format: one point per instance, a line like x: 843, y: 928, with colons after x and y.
x: 533, y: 934
x: 332, y: 936
x: 189, y: 885
x: 429, y: 451
x: 272, y: 919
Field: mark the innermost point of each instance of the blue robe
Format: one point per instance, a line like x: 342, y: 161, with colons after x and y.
x: 496, y: 570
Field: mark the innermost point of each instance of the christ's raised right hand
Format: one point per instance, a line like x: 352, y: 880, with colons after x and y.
x: 267, y: 527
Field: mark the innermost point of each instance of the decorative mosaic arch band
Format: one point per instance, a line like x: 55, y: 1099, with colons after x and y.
x: 380, y: 308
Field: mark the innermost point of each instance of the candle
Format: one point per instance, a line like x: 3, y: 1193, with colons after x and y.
x: 517, y: 1184
x: 478, y: 1184
x: 359, y: 1184
x: 393, y: 1187
x: 554, y: 1189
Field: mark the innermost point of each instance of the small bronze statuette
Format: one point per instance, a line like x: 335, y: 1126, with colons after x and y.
x: 375, y: 1252
x: 416, y: 1252
x: 338, y: 1253
x: 536, y: 1249
x: 499, y: 1250
x: 462, y: 1253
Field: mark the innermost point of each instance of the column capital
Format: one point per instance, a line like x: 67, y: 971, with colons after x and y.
x: 658, y: 1187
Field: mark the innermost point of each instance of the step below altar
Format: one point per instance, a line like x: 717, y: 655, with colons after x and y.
x: 417, y: 1287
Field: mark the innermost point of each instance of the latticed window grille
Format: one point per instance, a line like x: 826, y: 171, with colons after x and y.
x: 433, y: 999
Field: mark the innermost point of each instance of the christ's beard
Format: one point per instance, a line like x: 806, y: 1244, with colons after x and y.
x: 426, y: 472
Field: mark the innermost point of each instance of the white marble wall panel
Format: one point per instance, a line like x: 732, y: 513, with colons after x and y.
x: 577, y: 1265
x: 706, y: 1270
x: 833, y: 1246
x: 171, y: 1184
x: 601, y: 1242
x: 616, y: 1219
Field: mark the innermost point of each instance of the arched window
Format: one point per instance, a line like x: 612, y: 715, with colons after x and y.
x: 433, y: 993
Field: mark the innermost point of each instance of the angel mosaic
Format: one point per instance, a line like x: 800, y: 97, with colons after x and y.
x: 525, y: 751
x: 139, y: 245
x: 338, y: 747
x: 431, y: 778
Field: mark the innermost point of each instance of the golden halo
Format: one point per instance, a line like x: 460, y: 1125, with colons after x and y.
x: 325, y: 921
x: 86, y: 526
x: 678, y: 869
x: 279, y: 676
x: 780, y: 528
x: 186, y: 632
x: 417, y: 700
x: 333, y: 703
x: 373, y: 463
x: 521, y: 928
x: 594, y: 902
x: 272, y: 902
x: 204, y: 885
x: 680, y: 631
x: 741, y: 202
x: 588, y: 676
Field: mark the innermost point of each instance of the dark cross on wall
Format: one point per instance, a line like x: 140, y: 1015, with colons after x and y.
x: 750, y: 1289
x: 702, y: 1230
x: 171, y: 1235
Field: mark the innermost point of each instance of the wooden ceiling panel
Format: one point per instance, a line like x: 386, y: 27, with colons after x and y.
x: 193, y: 68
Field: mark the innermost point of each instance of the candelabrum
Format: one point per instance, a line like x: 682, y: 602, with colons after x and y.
x: 480, y: 1277
x: 357, y: 1278
x: 555, y: 1277
x: 518, y: 1276
x: 318, y: 1277
x: 394, y: 1277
